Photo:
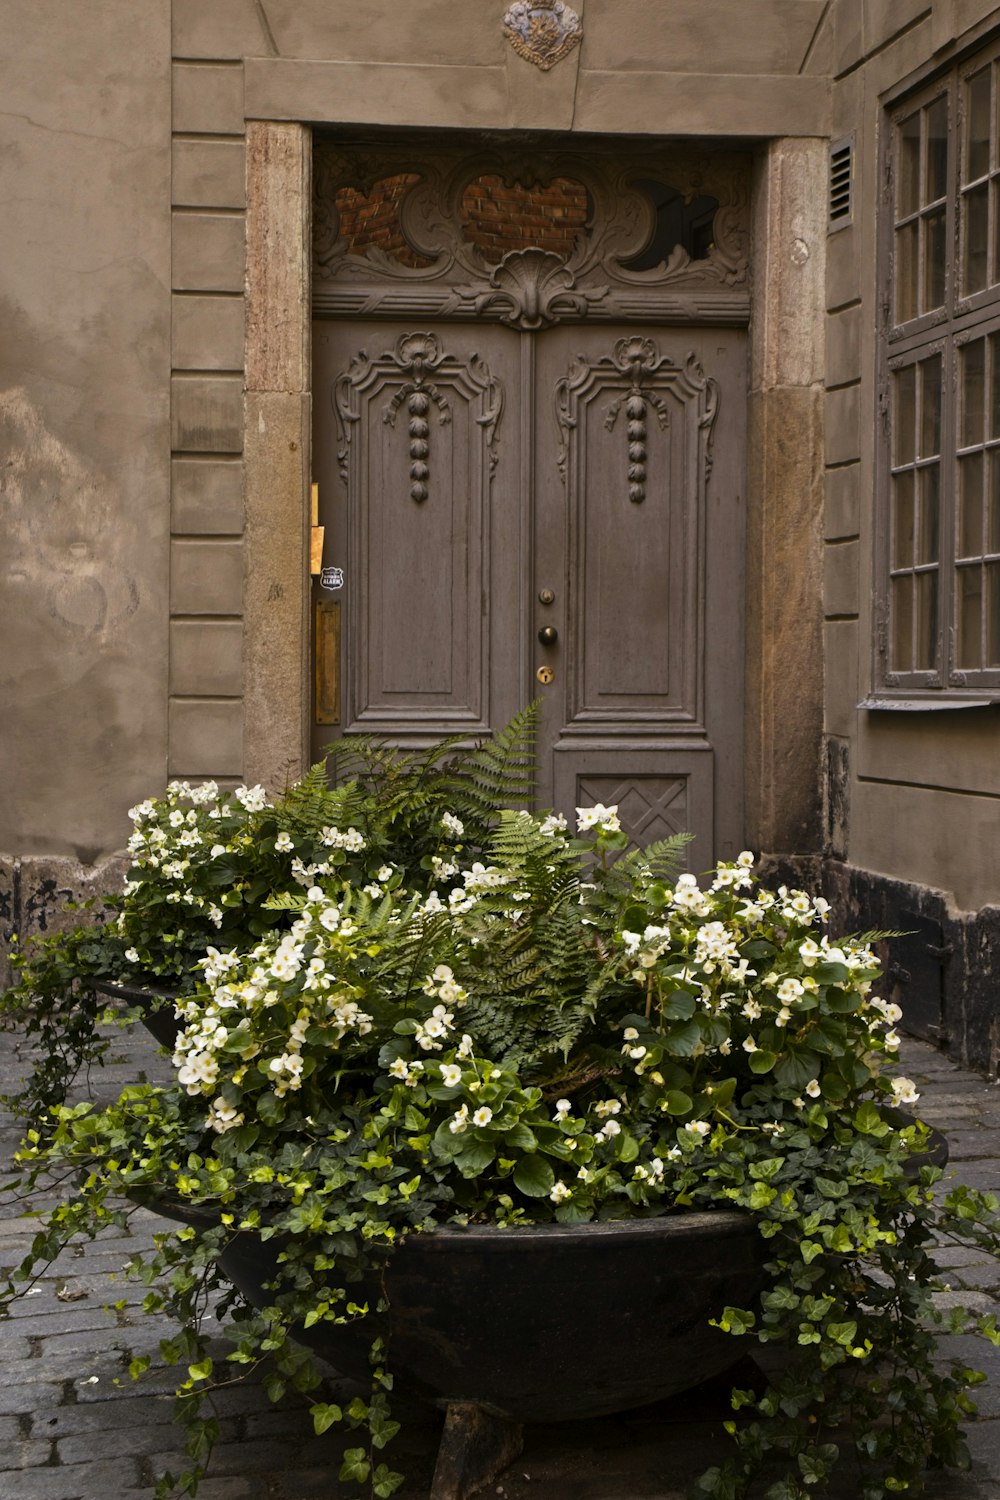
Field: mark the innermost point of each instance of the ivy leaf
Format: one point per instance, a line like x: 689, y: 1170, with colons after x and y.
x: 534, y: 1177
x: 355, y: 1466
x: 324, y: 1415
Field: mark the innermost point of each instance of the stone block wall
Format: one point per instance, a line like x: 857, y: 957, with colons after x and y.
x: 208, y: 204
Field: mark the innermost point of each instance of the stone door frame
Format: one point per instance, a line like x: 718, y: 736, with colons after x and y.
x: 784, y: 624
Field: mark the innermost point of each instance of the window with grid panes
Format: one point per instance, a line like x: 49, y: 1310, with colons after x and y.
x: 938, y: 542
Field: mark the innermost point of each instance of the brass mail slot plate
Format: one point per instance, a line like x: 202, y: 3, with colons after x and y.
x: 327, y: 662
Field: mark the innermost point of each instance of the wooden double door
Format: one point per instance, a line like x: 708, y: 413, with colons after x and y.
x: 552, y: 513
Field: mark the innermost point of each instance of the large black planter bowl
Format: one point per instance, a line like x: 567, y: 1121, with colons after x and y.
x: 546, y: 1322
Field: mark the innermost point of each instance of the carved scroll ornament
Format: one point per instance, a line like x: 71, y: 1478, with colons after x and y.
x: 533, y: 287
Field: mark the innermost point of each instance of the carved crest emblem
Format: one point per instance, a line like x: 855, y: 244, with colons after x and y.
x: 543, y: 31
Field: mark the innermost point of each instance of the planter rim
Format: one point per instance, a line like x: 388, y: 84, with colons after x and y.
x: 725, y: 1223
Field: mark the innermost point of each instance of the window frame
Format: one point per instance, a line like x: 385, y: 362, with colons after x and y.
x: 945, y: 330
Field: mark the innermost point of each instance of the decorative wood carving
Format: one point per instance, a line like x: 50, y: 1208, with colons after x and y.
x: 419, y: 356
x: 542, y: 31
x: 532, y: 287
x: 638, y: 359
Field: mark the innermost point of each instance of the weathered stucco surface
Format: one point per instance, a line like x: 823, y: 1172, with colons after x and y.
x: 85, y: 316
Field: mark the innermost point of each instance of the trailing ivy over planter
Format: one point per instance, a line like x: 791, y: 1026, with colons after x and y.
x: 405, y: 1003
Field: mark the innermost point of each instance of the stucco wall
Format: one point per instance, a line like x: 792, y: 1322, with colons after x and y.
x: 84, y: 361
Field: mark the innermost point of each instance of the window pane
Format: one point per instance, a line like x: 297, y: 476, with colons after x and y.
x: 928, y: 523
x: 934, y: 261
x: 993, y: 505
x: 925, y: 656
x: 901, y: 612
x: 902, y: 520
x: 977, y: 126
x: 970, y: 523
x: 992, y: 571
x: 930, y: 407
x: 972, y: 359
x: 969, y: 582
x: 935, y: 182
x: 908, y: 167
x: 904, y: 417
x: 906, y: 272
x: 994, y: 424
x: 976, y: 209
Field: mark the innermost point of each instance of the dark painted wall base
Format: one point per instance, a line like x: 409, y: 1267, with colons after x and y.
x: 943, y: 973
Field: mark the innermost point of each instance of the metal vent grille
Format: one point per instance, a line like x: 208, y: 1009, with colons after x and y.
x: 841, y: 183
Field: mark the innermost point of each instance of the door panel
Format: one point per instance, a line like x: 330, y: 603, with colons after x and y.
x: 422, y: 515
x: 480, y: 484
x: 639, y: 513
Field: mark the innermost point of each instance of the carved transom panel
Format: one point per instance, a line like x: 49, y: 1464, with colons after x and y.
x: 398, y: 234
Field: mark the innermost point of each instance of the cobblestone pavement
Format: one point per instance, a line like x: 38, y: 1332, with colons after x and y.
x: 73, y: 1425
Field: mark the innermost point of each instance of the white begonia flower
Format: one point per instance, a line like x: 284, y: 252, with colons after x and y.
x: 813, y: 1089
x: 810, y: 952
x: 283, y: 843
x: 465, y: 1046
x: 697, y: 1128
x: 604, y: 819
x: 482, y: 1116
x: 560, y: 1192
x: 789, y: 990
x: 398, y: 1068
x: 891, y: 1040
x: 132, y: 954
x: 459, y: 1122
x: 630, y: 1034
x: 904, y: 1091
x: 452, y: 825
x: 176, y: 818
x: 451, y: 1075
x: 656, y: 1168
x: 608, y: 1131
x: 783, y: 1017
x: 751, y: 1010
x: 608, y: 1107
x: 563, y: 1107
x: 253, y: 798
x: 750, y: 1045
x: 554, y: 823
x: 224, y: 1116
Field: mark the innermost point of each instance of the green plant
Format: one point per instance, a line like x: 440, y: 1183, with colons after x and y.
x: 431, y: 1008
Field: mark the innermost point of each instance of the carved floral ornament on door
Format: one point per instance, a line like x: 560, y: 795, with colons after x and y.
x: 531, y: 238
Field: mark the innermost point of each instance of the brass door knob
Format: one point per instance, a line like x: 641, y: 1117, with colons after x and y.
x: 548, y: 635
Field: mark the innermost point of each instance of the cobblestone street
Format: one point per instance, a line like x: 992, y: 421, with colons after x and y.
x: 76, y: 1427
